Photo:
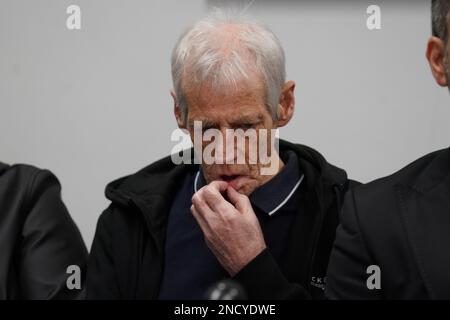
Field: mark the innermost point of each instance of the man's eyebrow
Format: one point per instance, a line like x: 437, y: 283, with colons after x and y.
x: 248, y: 119
x: 204, y: 122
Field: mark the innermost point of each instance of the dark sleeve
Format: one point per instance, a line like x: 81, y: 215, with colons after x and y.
x: 347, y: 270
x: 51, y: 243
x: 262, y: 279
x: 101, y: 282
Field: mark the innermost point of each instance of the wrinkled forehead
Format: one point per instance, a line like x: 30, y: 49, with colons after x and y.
x: 208, y: 93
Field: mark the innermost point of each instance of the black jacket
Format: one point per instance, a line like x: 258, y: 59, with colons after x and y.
x: 400, y: 223
x: 127, y: 255
x: 38, y: 239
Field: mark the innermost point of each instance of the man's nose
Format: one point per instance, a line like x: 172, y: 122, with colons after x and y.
x: 230, y: 148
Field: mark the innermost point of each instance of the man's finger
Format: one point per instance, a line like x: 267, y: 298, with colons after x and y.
x: 201, y: 206
x: 221, y: 186
x: 240, y: 201
x: 216, y: 201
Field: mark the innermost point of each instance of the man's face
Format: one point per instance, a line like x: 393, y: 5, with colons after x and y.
x: 241, y: 108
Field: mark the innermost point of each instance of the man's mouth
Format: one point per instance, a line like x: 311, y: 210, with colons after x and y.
x: 228, y: 178
x: 233, y: 180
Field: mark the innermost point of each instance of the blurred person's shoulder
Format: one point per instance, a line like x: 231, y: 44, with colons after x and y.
x: 380, y: 204
x: 23, y: 188
x: 23, y: 178
x: 418, y: 176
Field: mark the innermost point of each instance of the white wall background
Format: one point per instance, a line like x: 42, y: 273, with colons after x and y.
x: 93, y: 105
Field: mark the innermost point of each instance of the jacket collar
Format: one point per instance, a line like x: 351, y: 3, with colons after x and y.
x: 151, y: 191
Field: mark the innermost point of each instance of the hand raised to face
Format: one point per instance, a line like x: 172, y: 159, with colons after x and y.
x: 231, y: 228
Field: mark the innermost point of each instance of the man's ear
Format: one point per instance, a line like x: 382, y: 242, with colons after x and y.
x: 436, y: 55
x: 286, y: 106
x: 177, y: 111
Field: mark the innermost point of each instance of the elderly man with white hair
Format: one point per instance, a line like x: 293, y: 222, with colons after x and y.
x: 174, y: 230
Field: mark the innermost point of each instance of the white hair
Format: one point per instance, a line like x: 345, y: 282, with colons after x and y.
x: 224, y: 48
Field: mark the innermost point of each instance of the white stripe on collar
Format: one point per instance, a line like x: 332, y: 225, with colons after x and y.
x: 288, y: 197
x: 279, y: 206
x: 195, y: 181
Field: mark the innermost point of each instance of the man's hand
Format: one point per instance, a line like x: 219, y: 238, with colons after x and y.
x: 231, y: 229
